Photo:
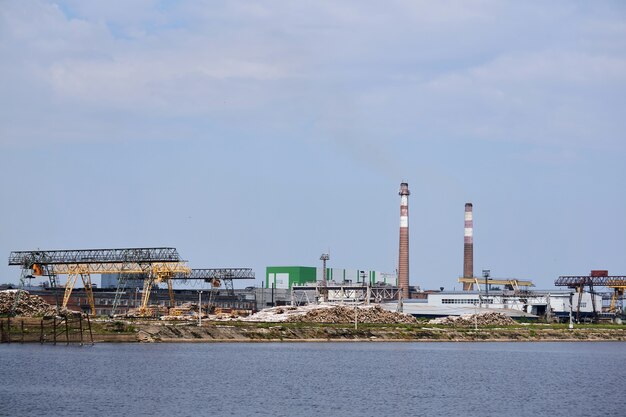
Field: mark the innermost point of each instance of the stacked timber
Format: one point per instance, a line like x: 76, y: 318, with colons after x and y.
x: 28, y: 305
x: 362, y: 314
x: 150, y: 311
x: 492, y: 318
x: 326, y: 313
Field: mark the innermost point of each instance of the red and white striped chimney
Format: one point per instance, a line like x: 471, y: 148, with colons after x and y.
x: 468, y: 247
x: 403, y: 264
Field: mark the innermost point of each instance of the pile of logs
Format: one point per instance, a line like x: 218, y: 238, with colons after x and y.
x: 150, y: 311
x: 28, y: 305
x: 329, y: 313
x: 480, y: 319
x: 346, y: 314
x: 278, y: 314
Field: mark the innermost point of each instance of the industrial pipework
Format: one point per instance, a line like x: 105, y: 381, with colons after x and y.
x: 403, y: 264
x: 468, y: 247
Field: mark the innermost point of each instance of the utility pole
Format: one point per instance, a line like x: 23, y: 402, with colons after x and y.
x: 199, y: 308
x: 475, y: 318
x: 571, y: 318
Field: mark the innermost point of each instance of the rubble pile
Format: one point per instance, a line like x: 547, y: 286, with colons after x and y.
x: 325, y: 313
x: 28, y: 305
x: 481, y: 319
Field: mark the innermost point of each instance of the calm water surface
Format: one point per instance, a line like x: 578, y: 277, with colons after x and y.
x: 310, y: 379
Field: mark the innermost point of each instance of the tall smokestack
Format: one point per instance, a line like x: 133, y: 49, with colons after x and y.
x: 403, y: 264
x: 468, y: 247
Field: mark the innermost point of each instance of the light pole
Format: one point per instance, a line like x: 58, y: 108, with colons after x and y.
x: 486, y: 273
x: 199, y: 308
x: 475, y: 318
x: 571, y: 321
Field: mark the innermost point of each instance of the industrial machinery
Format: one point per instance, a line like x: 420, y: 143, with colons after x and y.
x: 214, y: 276
x: 508, y: 283
x: 597, y: 278
x: 156, y: 264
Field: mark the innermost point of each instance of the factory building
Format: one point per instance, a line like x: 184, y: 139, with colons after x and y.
x: 285, y: 277
x: 540, y: 303
x: 112, y: 280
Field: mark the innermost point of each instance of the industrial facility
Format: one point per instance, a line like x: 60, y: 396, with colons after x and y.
x: 132, y: 277
x: 155, y: 281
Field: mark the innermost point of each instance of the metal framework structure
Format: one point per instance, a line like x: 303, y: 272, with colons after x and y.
x: 209, y: 274
x: 157, y: 264
x: 322, y: 290
x: 579, y: 282
x: 27, y: 259
x: 341, y: 293
x: 214, y: 276
x: 513, y: 283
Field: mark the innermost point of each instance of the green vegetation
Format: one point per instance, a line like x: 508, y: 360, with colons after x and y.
x: 115, y: 327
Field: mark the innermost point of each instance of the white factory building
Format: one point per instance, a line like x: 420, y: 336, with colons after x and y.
x: 557, y: 303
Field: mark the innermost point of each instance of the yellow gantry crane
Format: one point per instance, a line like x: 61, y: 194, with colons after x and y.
x: 511, y: 283
x: 156, y: 264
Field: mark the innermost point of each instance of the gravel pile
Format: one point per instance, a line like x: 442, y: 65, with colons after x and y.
x: 482, y: 319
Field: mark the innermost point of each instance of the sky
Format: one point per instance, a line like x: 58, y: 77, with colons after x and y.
x: 254, y: 134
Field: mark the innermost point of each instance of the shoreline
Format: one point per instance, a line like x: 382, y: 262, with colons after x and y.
x: 246, y: 332
x: 145, y: 331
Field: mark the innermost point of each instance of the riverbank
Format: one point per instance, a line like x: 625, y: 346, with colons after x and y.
x: 306, y: 332
x: 154, y: 331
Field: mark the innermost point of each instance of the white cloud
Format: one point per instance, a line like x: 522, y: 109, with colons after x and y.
x: 485, y: 70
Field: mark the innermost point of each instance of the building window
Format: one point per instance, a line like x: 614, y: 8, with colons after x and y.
x: 464, y: 301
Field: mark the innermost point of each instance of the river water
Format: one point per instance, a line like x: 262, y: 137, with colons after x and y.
x: 311, y: 379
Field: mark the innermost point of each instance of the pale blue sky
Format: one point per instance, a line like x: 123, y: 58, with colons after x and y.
x: 264, y: 133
